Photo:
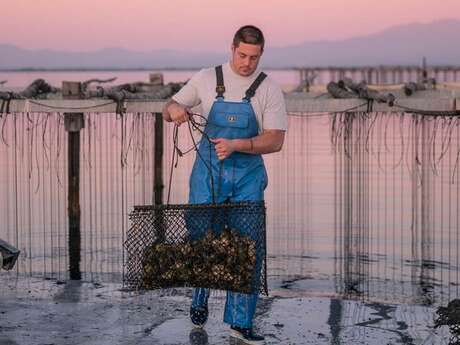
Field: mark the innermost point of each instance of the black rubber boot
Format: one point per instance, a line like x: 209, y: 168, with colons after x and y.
x: 199, y: 315
x: 247, y: 335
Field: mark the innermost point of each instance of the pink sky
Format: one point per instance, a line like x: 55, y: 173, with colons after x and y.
x: 203, y: 25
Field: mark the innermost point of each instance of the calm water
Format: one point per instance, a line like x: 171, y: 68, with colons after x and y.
x: 364, y: 207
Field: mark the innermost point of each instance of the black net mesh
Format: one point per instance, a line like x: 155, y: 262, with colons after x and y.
x: 217, y: 246
x: 450, y: 316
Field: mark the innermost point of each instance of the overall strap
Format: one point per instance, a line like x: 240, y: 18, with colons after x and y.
x: 220, y: 88
x: 253, y: 88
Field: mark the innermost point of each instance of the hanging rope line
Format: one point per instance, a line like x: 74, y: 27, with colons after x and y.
x: 395, y: 184
x: 436, y: 113
x: 72, y: 108
x: 192, y: 124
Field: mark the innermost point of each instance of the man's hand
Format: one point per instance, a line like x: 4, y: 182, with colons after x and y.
x: 224, y: 147
x: 271, y: 140
x: 177, y: 113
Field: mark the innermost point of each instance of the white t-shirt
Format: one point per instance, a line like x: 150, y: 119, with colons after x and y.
x: 268, y: 102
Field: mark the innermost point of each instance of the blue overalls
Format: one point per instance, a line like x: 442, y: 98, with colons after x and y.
x: 239, y: 177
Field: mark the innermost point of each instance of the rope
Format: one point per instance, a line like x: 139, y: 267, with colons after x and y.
x: 349, y: 109
x: 175, y: 139
x: 74, y: 108
x: 196, y: 126
x: 119, y: 105
x: 428, y: 112
x: 192, y: 124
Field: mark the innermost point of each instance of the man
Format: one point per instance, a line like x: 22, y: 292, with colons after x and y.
x: 246, y: 117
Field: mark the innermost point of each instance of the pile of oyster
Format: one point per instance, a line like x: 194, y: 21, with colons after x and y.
x: 226, y: 261
x: 450, y: 316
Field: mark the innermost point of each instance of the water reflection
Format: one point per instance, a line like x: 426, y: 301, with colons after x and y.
x: 70, y: 293
x: 198, y: 336
x: 365, y: 203
x: 335, y: 319
x: 395, y: 199
x: 7, y: 341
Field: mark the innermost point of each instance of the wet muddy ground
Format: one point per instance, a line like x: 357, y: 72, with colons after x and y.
x: 48, y: 312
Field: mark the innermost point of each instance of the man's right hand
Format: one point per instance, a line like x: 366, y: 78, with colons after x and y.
x: 178, y: 113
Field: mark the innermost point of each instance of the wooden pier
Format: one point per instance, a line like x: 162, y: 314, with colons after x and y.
x: 380, y: 74
x: 433, y: 100
x: 442, y: 101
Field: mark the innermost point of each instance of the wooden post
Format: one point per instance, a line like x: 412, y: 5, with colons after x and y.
x: 352, y: 73
x: 158, y: 172
x: 382, y: 78
x: 336, y: 75
x: 363, y: 75
x: 436, y: 75
x: 156, y: 79
x: 370, y: 76
x: 341, y: 73
x: 73, y: 123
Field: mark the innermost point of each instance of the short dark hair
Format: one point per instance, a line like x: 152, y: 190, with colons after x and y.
x: 249, y: 34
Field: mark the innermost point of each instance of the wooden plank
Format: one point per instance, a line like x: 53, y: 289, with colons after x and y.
x: 324, y: 105
x: 145, y: 106
x: 339, y: 105
x: 294, y: 104
x: 86, y: 106
x: 440, y: 104
x: 17, y: 106
x: 320, y: 92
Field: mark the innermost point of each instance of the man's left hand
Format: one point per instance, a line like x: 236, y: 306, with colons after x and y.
x: 224, y: 147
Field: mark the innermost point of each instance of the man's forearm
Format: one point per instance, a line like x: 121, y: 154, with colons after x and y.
x: 267, y: 142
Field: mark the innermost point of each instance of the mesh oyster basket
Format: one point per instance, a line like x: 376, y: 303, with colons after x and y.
x: 450, y: 316
x: 217, y: 246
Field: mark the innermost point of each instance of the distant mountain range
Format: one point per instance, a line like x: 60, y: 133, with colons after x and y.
x: 403, y: 45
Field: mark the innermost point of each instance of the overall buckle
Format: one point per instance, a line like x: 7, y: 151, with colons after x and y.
x: 220, y: 89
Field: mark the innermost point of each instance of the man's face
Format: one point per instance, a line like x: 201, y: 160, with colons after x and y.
x: 245, y: 58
